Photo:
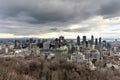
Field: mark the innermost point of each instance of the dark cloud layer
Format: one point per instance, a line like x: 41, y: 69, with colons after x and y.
x: 42, y: 16
x: 112, y: 9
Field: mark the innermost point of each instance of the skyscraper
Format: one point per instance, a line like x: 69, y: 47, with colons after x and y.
x: 78, y: 40
x: 96, y: 41
x: 104, y: 44
x: 61, y: 37
x: 87, y: 43
x: 92, y: 40
x: 31, y: 40
x: 84, y: 39
x: 61, y: 40
x: 100, y: 41
x: 17, y: 44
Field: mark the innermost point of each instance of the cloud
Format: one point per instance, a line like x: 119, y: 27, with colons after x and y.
x: 47, y: 11
x: 111, y: 9
x: 34, y: 17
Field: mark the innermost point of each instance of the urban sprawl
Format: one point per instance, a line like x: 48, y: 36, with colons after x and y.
x: 81, y: 50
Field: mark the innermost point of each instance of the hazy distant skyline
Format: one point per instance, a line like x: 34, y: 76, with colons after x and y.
x: 52, y: 18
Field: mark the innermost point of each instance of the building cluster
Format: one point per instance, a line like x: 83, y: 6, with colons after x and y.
x: 79, y: 50
x: 32, y: 46
x: 95, y: 50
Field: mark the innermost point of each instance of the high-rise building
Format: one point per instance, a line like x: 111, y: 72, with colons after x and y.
x: 78, y: 40
x: 61, y: 40
x: 57, y: 43
x: 92, y: 40
x: 31, y: 40
x: 61, y: 37
x: 96, y: 41
x: 100, y: 41
x: 104, y: 43
x: 84, y: 39
x: 23, y: 44
x: 108, y: 46
x: 87, y: 43
x: 17, y: 44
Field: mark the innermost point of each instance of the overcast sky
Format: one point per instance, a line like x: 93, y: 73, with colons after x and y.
x: 52, y: 18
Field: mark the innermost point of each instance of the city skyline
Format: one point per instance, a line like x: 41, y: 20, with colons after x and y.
x: 52, y: 18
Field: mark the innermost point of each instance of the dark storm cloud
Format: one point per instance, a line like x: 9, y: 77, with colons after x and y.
x: 46, y: 11
x: 112, y: 9
x: 39, y: 11
x: 42, y: 16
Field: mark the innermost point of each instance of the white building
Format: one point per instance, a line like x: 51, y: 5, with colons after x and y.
x: 91, y: 66
x: 110, y: 65
x: 64, y: 48
x: 77, y: 57
x: 6, y: 50
x: 46, y: 45
x: 106, y: 52
x: 11, y: 46
x: 93, y: 46
x: 95, y: 55
x: 117, y: 54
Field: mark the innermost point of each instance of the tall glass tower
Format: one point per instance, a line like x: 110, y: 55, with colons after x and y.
x: 100, y: 41
x: 92, y: 40
x: 96, y: 41
x: 78, y: 40
x: 84, y: 39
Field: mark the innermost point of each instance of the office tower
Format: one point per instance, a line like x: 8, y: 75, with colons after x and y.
x: 73, y: 48
x: 40, y: 45
x: 61, y: 40
x: 23, y: 44
x: 78, y: 40
x: 27, y: 42
x: 92, y: 40
x: 100, y: 41
x: 57, y: 43
x: 84, y: 39
x: 108, y: 46
x: 96, y: 41
x: 31, y: 40
x: 87, y: 43
x: 17, y: 44
x: 61, y: 37
x: 52, y: 44
x: 104, y: 43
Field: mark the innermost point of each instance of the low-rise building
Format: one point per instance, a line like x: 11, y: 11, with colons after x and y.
x: 77, y: 57
x: 95, y: 55
x: 46, y: 45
